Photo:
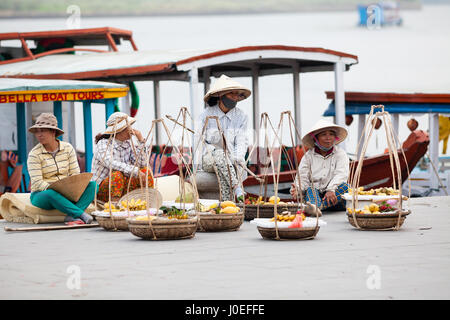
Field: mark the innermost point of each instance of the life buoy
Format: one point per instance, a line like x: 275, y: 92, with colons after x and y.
x: 134, y: 99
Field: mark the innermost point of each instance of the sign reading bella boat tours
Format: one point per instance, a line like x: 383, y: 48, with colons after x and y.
x: 9, y: 97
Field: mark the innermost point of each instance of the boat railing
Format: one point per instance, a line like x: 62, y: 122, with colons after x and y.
x: 64, y: 50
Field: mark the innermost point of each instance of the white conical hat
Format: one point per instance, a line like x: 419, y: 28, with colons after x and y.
x: 117, y: 122
x: 321, y: 125
x: 225, y: 84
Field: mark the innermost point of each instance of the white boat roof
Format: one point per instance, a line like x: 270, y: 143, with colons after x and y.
x: 175, y: 64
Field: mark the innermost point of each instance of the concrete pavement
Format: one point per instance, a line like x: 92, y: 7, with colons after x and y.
x: 340, y: 263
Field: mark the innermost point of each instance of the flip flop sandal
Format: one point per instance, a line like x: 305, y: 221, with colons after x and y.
x: 72, y: 223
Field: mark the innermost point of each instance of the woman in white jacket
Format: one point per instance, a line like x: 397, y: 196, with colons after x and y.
x: 324, y: 169
x: 222, y: 99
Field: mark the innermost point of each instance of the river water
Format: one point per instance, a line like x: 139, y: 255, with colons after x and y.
x: 412, y: 58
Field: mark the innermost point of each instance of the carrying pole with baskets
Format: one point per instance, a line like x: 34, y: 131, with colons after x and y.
x: 379, y: 221
x: 218, y: 221
x: 276, y: 232
x: 162, y: 228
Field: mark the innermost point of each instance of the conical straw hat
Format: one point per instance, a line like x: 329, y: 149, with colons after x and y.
x: 72, y: 187
x: 117, y: 122
x: 322, y: 125
x: 225, y: 84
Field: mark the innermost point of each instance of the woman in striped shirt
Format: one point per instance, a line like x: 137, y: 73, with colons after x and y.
x: 52, y: 160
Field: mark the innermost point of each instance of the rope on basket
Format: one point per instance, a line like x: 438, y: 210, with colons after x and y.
x: 278, y: 136
x: 111, y: 146
x: 392, y: 141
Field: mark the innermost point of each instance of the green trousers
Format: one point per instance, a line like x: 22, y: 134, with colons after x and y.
x: 50, y: 199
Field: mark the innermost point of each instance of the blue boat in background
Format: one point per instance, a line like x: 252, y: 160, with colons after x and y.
x: 383, y: 13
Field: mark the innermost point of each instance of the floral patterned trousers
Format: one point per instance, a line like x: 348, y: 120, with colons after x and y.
x: 225, y: 171
x: 119, y: 185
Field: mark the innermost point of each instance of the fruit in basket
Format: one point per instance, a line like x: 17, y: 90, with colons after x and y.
x: 188, y: 198
x: 286, y: 217
x: 202, y: 208
x: 107, y: 205
x: 213, y: 206
x: 134, y: 205
x: 111, y: 206
x: 374, y: 207
x: 298, y: 221
x: 254, y: 200
x: 386, y: 206
x: 230, y: 209
x: 384, y: 191
x: 350, y: 210
x: 145, y: 218
x: 227, y: 203
x: 272, y: 200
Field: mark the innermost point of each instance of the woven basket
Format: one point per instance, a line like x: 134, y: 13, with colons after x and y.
x: 163, y: 229
x: 377, y: 221
x: 289, y: 233
x: 154, y: 197
x: 220, y: 222
x: 266, y: 210
x: 107, y: 223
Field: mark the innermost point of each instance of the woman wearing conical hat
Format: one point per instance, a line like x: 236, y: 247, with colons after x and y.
x: 222, y: 99
x: 324, y: 169
x: 117, y: 137
x: 52, y: 160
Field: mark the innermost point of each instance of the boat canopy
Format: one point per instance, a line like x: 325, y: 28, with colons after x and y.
x: 432, y: 104
x: 406, y: 103
x: 175, y: 64
x: 195, y: 66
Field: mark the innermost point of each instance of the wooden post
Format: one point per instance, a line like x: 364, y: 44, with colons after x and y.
x: 21, y: 133
x: 297, y: 105
x: 207, y: 81
x: 109, y: 108
x: 71, y: 124
x: 395, y: 122
x: 126, y: 104
x: 87, y: 121
x: 339, y: 96
x: 57, y: 111
x: 255, y: 95
x: 193, y: 88
x: 195, y: 109
x: 157, y: 106
x: 29, y: 123
x: 433, y: 120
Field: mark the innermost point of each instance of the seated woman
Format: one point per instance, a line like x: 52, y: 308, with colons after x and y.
x: 222, y: 99
x: 324, y: 168
x: 49, y: 161
x: 122, y: 159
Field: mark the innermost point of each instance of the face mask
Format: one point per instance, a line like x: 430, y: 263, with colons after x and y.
x: 318, y: 145
x: 322, y: 147
x: 228, y: 103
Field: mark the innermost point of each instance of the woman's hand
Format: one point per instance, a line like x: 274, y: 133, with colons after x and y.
x: 137, y: 134
x: 330, y: 197
x: 293, y: 191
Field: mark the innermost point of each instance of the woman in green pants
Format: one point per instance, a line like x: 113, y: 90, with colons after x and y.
x: 52, y: 160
